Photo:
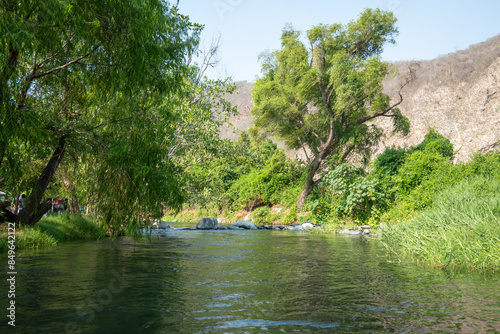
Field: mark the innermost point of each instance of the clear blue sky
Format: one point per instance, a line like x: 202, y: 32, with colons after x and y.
x: 427, y: 28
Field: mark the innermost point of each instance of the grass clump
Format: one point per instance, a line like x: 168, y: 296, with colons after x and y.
x: 461, y: 228
x: 55, y: 229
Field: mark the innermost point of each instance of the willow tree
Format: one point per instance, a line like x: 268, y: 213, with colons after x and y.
x: 91, y: 77
x: 320, y: 96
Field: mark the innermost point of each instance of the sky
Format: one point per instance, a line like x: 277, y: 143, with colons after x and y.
x: 427, y: 28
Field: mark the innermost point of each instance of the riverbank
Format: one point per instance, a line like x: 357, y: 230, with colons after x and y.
x: 460, y: 230
x: 54, y: 229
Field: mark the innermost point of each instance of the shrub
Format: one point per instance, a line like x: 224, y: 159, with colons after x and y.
x: 353, y: 194
x: 388, y: 162
x: 259, y: 215
x: 417, y: 166
x: 435, y: 142
x: 266, y: 185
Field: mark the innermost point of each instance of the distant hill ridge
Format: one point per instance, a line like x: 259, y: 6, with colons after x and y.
x: 457, y: 94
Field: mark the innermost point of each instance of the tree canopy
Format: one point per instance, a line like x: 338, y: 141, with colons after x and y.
x: 320, y: 96
x: 109, y: 86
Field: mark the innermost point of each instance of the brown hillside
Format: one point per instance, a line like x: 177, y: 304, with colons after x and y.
x: 458, y: 95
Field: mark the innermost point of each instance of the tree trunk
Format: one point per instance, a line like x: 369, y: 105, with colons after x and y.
x: 35, y: 209
x: 306, y: 191
x: 310, y: 183
x: 316, y: 164
x: 74, y: 206
x: 5, y: 213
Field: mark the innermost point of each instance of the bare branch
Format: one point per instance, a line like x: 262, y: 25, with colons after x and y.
x: 209, y: 57
x: 385, y: 112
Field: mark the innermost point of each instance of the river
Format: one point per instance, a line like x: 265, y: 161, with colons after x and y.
x: 243, y: 282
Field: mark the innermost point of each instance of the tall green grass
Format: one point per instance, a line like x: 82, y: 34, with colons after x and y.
x: 54, y: 229
x: 461, y: 229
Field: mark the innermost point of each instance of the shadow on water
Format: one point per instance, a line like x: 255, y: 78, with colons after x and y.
x: 243, y: 282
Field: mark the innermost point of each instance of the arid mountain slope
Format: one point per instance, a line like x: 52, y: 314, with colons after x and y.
x: 458, y: 95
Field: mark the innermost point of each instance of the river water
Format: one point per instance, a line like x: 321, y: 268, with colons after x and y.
x: 243, y: 282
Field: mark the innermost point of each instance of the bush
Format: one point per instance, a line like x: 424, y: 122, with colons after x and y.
x: 266, y: 185
x: 416, y: 168
x: 439, y: 177
x: 388, y: 162
x: 435, y: 142
x: 259, y: 215
x: 352, y: 194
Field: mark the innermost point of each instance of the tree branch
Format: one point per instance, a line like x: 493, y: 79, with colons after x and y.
x: 384, y: 113
x: 61, y: 67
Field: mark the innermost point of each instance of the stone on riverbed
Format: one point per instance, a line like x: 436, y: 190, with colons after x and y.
x: 207, y: 223
x: 307, y: 226
x: 351, y: 232
x: 163, y: 225
x: 232, y: 227
x: 248, y: 225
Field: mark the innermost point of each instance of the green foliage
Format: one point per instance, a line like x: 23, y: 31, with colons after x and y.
x: 356, y: 195
x: 319, y: 95
x: 321, y: 211
x: 29, y: 238
x: 265, y: 185
x: 433, y: 141
x: 388, y: 162
x: 291, y: 215
x: 459, y: 230
x: 131, y: 126
x: 260, y: 215
x: 55, y: 229
x: 417, y: 167
x: 252, y: 173
x: 67, y: 227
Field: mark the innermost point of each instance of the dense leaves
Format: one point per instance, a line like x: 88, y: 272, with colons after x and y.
x: 108, y: 89
x: 319, y: 96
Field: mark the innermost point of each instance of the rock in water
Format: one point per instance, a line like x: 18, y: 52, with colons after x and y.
x: 246, y: 225
x: 164, y: 225
x: 235, y: 228
x: 307, y: 226
x: 207, y: 223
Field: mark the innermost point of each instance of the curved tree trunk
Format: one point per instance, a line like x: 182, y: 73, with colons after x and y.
x: 35, y: 206
x: 310, y: 183
x: 316, y: 164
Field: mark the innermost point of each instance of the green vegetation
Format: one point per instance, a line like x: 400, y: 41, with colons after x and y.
x: 320, y: 95
x: 443, y: 213
x: 84, y: 117
x: 460, y: 229
x: 54, y: 229
x: 255, y: 176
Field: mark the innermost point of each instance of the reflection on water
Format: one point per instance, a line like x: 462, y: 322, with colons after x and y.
x: 244, y: 282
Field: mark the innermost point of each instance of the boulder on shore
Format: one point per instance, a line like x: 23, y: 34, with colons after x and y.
x: 248, y: 225
x: 307, y: 226
x: 163, y: 225
x: 207, y: 223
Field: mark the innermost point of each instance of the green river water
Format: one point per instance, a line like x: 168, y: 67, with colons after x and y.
x: 243, y: 282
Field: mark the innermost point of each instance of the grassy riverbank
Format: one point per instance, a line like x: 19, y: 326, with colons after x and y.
x: 460, y: 230
x: 53, y: 230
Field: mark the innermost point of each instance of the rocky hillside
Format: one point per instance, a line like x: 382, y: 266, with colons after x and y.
x: 458, y: 95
